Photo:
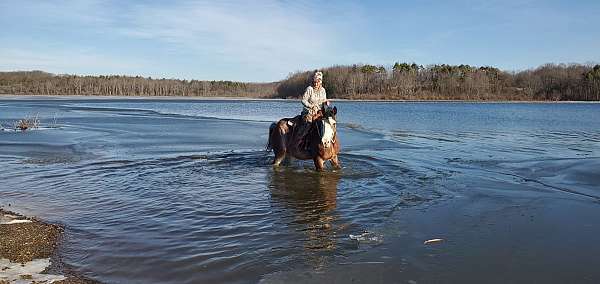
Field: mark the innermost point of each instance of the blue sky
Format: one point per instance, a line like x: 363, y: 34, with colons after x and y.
x: 267, y: 40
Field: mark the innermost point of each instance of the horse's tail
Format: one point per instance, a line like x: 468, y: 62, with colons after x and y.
x: 271, y: 128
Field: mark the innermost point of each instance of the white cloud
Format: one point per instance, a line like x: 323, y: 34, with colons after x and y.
x: 61, y: 61
x: 264, y: 33
x: 76, y: 13
x: 260, y: 40
x: 265, y: 40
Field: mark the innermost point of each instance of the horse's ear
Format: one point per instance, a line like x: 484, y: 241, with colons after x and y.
x: 334, y: 110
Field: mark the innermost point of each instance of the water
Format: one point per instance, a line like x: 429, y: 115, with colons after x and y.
x: 182, y: 191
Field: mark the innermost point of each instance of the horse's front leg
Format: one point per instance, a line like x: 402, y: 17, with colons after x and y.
x: 319, y: 163
x: 280, y: 150
x: 278, y: 158
x: 335, y: 162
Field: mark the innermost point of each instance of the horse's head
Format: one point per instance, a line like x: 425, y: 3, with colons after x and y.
x: 329, y: 115
x: 329, y: 126
x: 330, y: 111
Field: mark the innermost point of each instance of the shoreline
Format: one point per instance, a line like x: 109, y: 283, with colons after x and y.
x: 196, y: 98
x: 29, y: 251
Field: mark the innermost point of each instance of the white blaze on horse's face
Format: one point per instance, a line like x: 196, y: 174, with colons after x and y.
x: 329, y: 131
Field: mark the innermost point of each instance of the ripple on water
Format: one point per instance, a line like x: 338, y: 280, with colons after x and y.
x: 161, y: 196
x: 190, y: 210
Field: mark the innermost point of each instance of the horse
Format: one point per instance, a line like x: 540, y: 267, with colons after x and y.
x: 322, y: 143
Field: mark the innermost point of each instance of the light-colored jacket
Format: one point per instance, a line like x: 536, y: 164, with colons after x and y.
x: 313, y: 100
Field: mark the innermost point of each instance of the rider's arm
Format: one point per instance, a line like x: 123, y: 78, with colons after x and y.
x: 306, y: 97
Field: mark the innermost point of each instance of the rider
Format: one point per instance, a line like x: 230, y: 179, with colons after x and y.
x: 314, y: 97
x: 312, y: 101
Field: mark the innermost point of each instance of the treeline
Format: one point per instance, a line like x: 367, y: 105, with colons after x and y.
x: 42, y: 83
x: 402, y: 81
x: 409, y: 81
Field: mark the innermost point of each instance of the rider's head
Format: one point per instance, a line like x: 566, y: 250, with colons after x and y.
x: 318, y: 78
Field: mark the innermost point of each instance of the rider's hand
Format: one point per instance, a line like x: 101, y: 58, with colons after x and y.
x: 327, y: 102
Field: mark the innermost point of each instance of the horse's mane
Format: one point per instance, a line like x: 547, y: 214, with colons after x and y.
x: 329, y: 111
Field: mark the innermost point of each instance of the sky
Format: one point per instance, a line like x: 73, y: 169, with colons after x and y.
x: 263, y: 41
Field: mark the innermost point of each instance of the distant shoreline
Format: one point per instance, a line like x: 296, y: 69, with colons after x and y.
x: 66, y: 97
x: 403, y: 83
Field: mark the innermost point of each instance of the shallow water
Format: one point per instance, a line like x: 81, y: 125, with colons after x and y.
x: 181, y: 191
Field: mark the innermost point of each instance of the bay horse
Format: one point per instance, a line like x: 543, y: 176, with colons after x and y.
x: 322, y: 143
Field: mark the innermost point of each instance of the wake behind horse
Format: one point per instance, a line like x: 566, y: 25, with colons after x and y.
x: 321, y: 144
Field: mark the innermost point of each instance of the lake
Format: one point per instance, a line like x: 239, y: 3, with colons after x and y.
x: 182, y: 191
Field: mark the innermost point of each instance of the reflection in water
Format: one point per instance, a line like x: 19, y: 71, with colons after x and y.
x: 309, y: 198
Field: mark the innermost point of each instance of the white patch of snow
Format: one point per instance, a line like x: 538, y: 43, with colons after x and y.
x: 7, y: 219
x: 29, y: 272
x: 14, y: 222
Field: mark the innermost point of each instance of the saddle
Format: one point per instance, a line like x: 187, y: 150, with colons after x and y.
x: 300, y: 133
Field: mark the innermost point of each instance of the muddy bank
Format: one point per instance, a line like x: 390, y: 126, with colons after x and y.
x: 28, y: 252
